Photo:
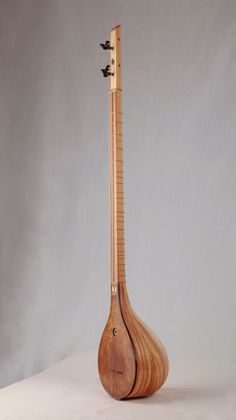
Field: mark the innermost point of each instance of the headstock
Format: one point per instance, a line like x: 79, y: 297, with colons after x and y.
x: 113, y: 69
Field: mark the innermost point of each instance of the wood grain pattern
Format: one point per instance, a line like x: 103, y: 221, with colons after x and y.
x: 150, y: 356
x: 132, y: 362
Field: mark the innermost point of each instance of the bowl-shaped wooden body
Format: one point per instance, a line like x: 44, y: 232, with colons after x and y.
x: 132, y: 362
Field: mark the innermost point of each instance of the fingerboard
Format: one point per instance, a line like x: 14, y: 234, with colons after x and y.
x: 116, y: 189
x: 116, y: 165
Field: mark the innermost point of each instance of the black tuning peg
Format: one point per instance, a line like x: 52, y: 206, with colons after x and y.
x: 106, y: 72
x: 107, y: 46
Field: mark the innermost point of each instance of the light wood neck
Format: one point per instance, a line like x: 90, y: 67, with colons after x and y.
x: 117, y: 237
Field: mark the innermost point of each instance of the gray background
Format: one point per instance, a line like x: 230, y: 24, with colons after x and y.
x: 179, y: 74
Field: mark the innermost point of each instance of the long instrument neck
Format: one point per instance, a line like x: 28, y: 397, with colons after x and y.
x: 116, y: 189
x: 116, y: 166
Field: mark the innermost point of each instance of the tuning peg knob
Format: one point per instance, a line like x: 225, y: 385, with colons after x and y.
x: 106, y: 46
x: 106, y: 71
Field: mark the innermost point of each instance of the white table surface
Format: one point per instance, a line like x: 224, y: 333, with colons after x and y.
x: 70, y: 390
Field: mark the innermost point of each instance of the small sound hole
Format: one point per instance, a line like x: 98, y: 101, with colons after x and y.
x: 114, y: 331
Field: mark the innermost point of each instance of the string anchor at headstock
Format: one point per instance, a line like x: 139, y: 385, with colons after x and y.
x: 106, y: 46
x: 106, y: 71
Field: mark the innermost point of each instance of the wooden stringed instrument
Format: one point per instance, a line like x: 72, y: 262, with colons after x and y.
x: 132, y: 362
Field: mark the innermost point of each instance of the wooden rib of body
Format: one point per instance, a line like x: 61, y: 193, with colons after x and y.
x: 150, y: 355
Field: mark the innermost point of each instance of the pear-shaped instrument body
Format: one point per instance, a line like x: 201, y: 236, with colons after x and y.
x: 132, y: 362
